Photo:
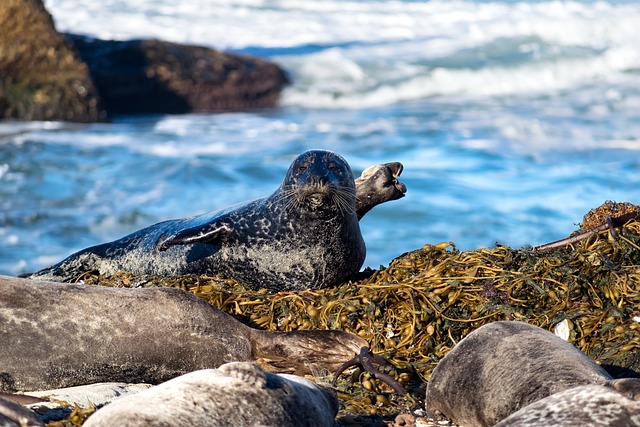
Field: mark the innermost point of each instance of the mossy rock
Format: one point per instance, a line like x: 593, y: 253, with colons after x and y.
x: 45, y: 75
x: 41, y: 77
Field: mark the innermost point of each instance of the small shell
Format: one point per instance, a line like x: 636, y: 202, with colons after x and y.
x: 563, y: 329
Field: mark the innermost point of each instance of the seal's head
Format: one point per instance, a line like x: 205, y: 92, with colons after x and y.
x: 378, y: 184
x: 320, y: 181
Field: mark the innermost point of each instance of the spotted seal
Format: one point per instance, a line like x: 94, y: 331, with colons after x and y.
x: 305, y: 235
x: 235, y: 394
x: 502, y: 367
x: 595, y: 405
x: 56, y: 335
x: 378, y: 184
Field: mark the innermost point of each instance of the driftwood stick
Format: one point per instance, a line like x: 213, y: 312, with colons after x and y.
x: 610, y: 224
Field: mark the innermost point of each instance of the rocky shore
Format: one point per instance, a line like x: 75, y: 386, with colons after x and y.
x: 46, y: 75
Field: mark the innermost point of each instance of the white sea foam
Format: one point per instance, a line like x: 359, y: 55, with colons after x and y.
x: 12, y: 128
x: 536, y: 78
x: 238, y: 23
x: 334, y: 80
x: 366, y: 54
x: 89, y: 139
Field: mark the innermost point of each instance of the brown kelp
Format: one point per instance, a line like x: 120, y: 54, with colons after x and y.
x: 415, y: 310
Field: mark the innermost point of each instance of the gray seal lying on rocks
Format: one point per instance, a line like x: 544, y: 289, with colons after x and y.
x: 502, y: 367
x: 306, y: 235
x: 236, y: 394
x: 60, y: 335
x: 607, y: 405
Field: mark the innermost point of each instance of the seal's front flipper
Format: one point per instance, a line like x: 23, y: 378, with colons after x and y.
x: 213, y: 233
x: 378, y: 184
x: 399, y: 189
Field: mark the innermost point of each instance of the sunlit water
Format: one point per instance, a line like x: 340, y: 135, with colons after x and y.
x: 512, y: 121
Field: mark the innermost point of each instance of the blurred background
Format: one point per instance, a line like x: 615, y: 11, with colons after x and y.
x: 512, y: 119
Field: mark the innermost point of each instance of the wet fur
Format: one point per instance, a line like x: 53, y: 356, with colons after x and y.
x: 587, y: 405
x: 305, y: 235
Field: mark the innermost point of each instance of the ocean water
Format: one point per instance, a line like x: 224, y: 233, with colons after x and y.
x: 512, y: 120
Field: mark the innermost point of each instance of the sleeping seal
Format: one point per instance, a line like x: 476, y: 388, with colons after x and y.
x: 56, y: 336
x: 305, y: 235
x: 591, y: 405
x: 502, y: 367
x: 235, y: 394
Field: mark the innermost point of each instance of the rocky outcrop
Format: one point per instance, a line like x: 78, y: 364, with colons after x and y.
x: 153, y: 76
x: 45, y: 75
x: 41, y: 77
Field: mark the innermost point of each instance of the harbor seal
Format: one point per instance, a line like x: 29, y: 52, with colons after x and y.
x: 502, y: 367
x: 306, y: 235
x: 56, y: 335
x: 235, y: 394
x: 588, y: 405
x: 378, y: 184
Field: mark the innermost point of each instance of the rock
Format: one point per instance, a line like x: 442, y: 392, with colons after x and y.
x: 98, y: 394
x: 153, y: 76
x: 80, y: 401
x: 41, y: 78
x: 51, y: 411
x: 45, y: 75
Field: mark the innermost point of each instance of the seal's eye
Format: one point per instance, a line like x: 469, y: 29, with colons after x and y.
x: 302, y: 168
x: 334, y: 167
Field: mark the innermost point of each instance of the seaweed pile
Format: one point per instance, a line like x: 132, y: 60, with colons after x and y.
x: 415, y: 310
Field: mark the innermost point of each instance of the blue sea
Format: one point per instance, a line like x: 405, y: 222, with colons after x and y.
x: 512, y: 120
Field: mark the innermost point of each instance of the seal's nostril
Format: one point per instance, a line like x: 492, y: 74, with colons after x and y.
x: 319, y: 180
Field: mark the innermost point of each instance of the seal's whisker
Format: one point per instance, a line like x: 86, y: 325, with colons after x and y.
x: 286, y: 192
x: 341, y: 203
x: 343, y: 196
x: 289, y: 195
x: 345, y: 189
